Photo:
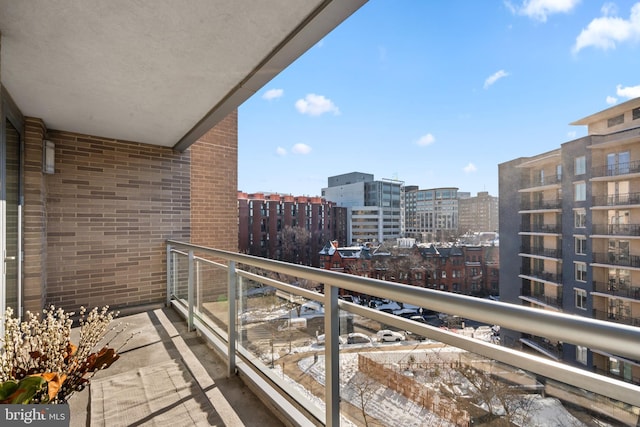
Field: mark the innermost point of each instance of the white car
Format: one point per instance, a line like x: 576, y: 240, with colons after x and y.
x: 358, y: 338
x: 320, y: 340
x: 386, y: 335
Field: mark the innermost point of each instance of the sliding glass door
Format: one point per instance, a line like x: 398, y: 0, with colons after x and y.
x: 10, y: 208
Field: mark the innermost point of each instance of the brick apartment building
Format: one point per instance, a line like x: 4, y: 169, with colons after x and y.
x: 288, y: 228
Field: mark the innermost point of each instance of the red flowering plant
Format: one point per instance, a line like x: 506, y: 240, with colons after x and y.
x: 40, y: 364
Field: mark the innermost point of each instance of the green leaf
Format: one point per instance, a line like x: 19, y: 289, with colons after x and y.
x: 28, y: 387
x: 7, y: 388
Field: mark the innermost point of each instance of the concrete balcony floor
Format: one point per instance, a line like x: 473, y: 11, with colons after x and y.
x: 166, y: 376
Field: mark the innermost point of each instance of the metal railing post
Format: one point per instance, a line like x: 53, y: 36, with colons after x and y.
x: 190, y: 290
x: 231, y: 332
x: 332, y: 356
x: 170, y: 274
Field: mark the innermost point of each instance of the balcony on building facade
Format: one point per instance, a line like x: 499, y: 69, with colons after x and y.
x: 543, y: 345
x: 617, y: 289
x: 541, y: 181
x: 625, y: 199
x: 617, y: 229
x: 620, y: 169
x: 541, y: 275
x: 617, y: 259
x: 541, y: 251
x: 616, y: 318
x: 541, y: 228
x: 532, y: 205
x: 539, y: 296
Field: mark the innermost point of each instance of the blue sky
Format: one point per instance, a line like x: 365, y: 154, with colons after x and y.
x: 438, y: 93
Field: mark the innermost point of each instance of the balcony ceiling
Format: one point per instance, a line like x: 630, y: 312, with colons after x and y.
x: 161, y: 72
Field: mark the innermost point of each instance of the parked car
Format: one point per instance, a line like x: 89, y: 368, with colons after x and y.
x: 320, y: 340
x: 386, y: 335
x: 358, y: 338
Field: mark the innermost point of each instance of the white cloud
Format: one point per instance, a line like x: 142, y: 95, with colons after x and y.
x: 605, y: 32
x: 609, y: 9
x: 273, y: 94
x: 611, y: 100
x: 470, y: 168
x: 494, y: 78
x: 571, y: 134
x: 628, y: 92
x: 301, y: 148
x: 281, y: 151
x: 541, y: 9
x: 315, y: 105
x: 425, y: 140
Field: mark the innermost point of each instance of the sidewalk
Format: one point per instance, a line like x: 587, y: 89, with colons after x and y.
x: 166, y: 376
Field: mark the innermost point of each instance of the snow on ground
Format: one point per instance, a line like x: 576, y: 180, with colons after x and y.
x: 395, y: 410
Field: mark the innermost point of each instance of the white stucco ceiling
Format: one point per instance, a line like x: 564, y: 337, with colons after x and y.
x: 161, y: 72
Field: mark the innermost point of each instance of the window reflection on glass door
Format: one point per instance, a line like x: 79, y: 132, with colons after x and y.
x: 11, y: 215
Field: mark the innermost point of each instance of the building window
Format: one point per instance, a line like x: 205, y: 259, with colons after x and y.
x: 580, y: 191
x: 581, y: 271
x: 581, y: 165
x: 581, y: 354
x: 581, y: 245
x: 444, y: 274
x: 614, y: 121
x: 581, y: 298
x: 635, y: 114
x: 580, y: 218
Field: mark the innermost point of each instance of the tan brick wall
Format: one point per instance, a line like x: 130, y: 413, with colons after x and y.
x: 110, y: 206
x: 214, y: 186
x: 34, y: 220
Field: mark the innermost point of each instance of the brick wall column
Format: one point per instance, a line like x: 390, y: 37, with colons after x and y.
x: 34, y: 217
x: 214, y: 186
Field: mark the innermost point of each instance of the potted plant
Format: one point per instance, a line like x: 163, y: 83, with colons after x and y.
x: 40, y: 364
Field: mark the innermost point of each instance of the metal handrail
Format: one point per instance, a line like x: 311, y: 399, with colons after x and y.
x: 601, y: 335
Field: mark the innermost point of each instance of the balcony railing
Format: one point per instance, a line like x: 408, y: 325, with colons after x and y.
x: 542, y: 275
x: 541, y: 228
x: 553, y: 348
x: 618, y: 290
x: 231, y: 299
x: 553, y: 301
x: 617, y: 229
x: 530, y: 205
x: 542, y: 182
x: 541, y: 251
x: 623, y: 260
x: 616, y: 170
x: 617, y: 318
x: 617, y: 200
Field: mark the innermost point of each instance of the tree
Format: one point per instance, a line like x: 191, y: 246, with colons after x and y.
x: 295, y: 242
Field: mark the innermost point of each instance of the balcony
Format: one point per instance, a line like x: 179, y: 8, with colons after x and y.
x: 541, y: 251
x: 618, y: 290
x: 541, y: 228
x: 541, y: 275
x: 540, y: 297
x: 611, y: 258
x: 305, y: 367
x: 626, y: 199
x: 543, y: 345
x: 620, y: 169
x: 533, y: 205
x: 617, y: 318
x: 617, y: 229
x: 541, y: 182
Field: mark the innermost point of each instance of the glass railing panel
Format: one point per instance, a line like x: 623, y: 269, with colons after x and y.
x: 180, y: 275
x: 211, y: 296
